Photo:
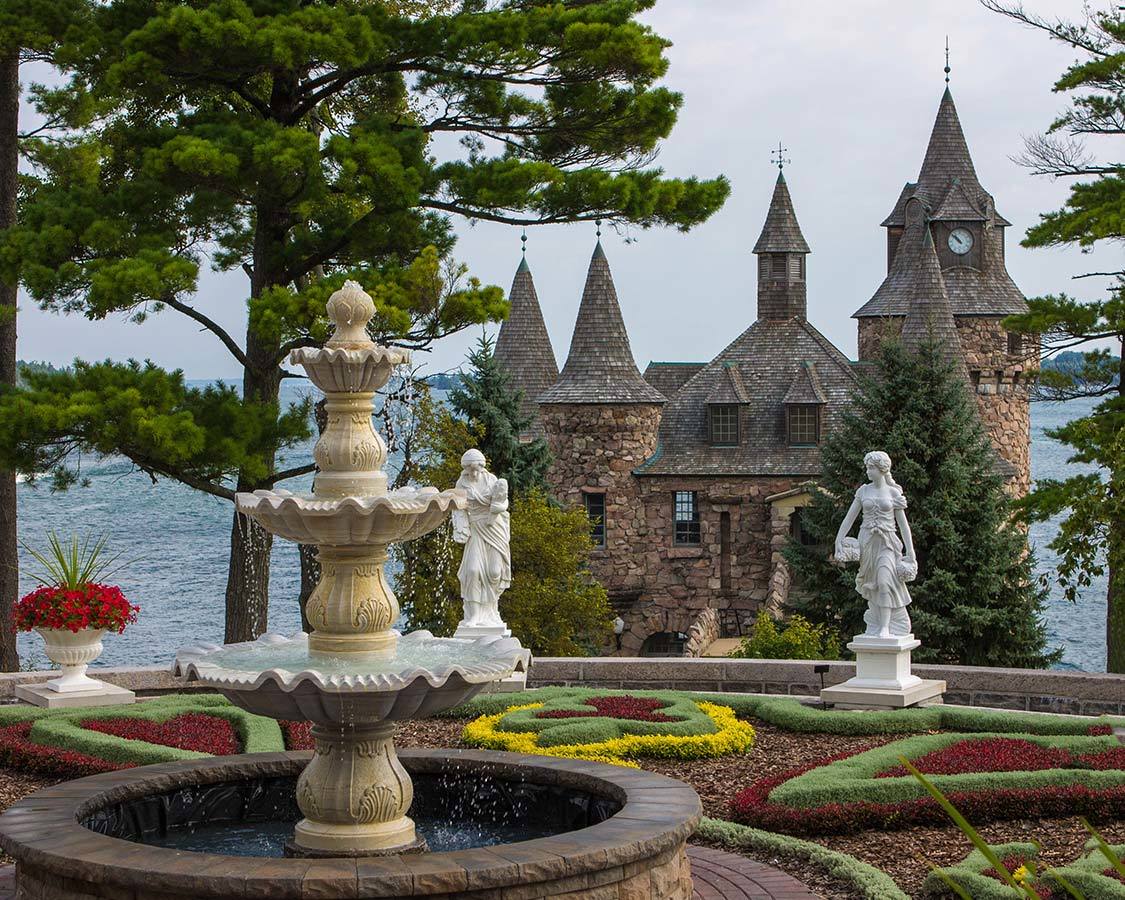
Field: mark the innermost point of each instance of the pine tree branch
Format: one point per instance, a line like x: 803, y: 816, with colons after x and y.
x: 292, y: 473
x: 486, y: 216
x: 152, y: 469
x: 192, y: 313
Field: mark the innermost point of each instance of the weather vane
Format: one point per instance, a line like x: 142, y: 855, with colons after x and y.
x: 782, y: 159
x: 947, y: 59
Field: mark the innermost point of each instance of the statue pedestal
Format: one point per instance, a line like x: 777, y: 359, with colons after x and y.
x: 883, y: 679
x: 517, y: 681
x: 472, y: 632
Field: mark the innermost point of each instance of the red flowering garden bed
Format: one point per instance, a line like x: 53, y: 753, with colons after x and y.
x: 996, y: 768
x: 620, y: 706
x: 189, y: 731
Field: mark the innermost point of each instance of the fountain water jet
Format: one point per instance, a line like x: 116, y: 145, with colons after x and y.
x: 353, y: 675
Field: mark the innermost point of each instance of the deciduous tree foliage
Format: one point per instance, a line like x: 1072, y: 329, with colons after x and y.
x: 1091, y: 540
x: 976, y: 600
x: 305, y: 141
x: 554, y: 606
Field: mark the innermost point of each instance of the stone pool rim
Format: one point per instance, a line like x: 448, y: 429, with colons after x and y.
x: 43, y: 832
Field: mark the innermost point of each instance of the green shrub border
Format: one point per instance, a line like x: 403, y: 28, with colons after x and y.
x: 62, y: 728
x: 853, y: 779
x: 866, y: 879
x: 1084, y: 874
x: 596, y: 729
x: 791, y: 715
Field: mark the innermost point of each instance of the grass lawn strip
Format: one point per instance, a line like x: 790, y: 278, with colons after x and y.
x: 63, y: 730
x: 854, y: 779
x: 861, y: 877
x: 1085, y: 874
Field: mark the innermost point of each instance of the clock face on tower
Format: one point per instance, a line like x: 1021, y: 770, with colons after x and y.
x: 960, y: 241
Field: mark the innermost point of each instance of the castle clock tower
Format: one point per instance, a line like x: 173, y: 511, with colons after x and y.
x: 968, y: 237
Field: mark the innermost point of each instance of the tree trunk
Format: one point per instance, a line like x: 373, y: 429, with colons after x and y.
x: 1115, y: 622
x: 310, y: 565
x: 9, y: 165
x: 248, y: 580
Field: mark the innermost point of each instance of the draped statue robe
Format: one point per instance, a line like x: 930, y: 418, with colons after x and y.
x: 485, y: 530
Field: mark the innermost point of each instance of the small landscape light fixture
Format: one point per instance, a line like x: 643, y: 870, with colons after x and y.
x: 820, y: 669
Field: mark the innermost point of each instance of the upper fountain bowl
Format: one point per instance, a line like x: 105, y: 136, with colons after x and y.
x: 350, y: 362
x: 399, y: 515
x: 349, y: 369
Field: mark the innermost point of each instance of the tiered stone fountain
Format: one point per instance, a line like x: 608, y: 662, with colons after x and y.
x: 213, y: 828
x: 353, y: 676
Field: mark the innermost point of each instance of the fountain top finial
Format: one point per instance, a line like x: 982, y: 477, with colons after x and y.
x: 350, y: 308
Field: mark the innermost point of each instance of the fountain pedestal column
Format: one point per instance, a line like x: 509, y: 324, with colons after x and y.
x: 353, y: 608
x: 354, y: 795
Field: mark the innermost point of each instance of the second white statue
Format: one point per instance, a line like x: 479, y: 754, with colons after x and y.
x: 484, y: 527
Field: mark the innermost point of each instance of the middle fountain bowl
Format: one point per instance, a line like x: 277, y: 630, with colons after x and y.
x: 354, y: 675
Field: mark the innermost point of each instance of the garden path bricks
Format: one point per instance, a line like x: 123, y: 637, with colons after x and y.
x: 717, y: 876
x: 726, y: 876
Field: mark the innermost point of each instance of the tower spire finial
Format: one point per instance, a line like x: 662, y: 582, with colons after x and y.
x: 781, y: 158
x: 947, y: 59
x: 523, y: 242
x: 598, y: 223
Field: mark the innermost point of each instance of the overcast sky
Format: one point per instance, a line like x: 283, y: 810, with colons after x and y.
x: 850, y: 88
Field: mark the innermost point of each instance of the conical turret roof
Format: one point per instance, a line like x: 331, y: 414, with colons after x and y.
x: 781, y: 233
x: 523, y: 346
x: 600, y: 366
x: 930, y: 315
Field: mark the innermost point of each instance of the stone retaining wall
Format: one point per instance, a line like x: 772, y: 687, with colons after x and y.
x: 1034, y: 690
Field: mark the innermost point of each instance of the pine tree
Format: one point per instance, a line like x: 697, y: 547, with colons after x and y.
x: 302, y: 142
x: 1091, y: 539
x: 492, y: 408
x: 976, y: 600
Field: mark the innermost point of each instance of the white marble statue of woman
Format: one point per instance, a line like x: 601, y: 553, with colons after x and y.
x: 886, y: 562
x: 485, y: 530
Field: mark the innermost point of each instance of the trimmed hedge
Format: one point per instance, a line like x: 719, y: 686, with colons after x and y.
x: 791, y: 715
x: 1085, y: 874
x: 866, y: 879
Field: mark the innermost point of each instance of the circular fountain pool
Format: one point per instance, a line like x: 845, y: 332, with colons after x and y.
x: 499, y: 825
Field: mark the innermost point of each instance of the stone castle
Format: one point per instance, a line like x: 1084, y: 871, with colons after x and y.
x: 694, y: 473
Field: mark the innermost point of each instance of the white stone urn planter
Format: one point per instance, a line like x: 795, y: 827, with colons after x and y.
x: 73, y: 650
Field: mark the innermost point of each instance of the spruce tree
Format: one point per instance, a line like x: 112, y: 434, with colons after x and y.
x: 976, y: 600
x: 486, y: 400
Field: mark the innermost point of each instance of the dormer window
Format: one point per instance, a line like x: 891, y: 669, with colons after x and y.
x: 804, y: 424
x: 723, y: 424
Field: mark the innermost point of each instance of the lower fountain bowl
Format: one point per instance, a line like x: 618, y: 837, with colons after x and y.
x: 152, y: 833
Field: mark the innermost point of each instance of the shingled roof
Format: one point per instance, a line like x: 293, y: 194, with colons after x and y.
x: 600, y: 366
x: 781, y: 233
x: 523, y: 346
x: 669, y: 377
x: 767, y: 359
x: 947, y: 169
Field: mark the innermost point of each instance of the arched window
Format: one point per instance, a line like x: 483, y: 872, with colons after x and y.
x: 664, y: 643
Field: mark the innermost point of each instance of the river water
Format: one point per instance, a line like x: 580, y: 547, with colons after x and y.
x: 178, y: 541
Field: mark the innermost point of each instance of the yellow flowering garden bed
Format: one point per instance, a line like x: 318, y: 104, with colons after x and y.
x: 730, y: 736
